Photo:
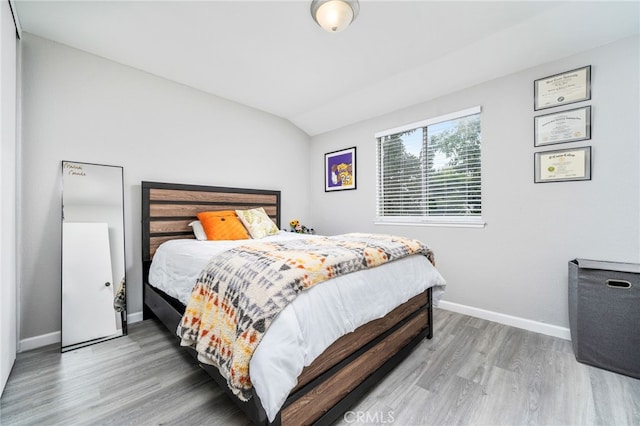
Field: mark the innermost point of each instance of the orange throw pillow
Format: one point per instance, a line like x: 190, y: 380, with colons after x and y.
x: 223, y: 225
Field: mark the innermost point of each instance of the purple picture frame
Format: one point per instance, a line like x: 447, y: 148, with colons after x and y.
x: 340, y: 170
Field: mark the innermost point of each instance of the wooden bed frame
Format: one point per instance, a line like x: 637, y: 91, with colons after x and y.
x: 344, y: 372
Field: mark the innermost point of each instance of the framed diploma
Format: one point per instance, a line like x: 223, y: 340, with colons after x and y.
x: 561, y: 89
x: 559, y: 127
x: 562, y: 165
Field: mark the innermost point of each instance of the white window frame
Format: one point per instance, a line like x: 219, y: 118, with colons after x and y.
x: 452, y: 221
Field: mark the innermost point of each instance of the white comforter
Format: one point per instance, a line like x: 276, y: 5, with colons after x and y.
x: 315, y: 319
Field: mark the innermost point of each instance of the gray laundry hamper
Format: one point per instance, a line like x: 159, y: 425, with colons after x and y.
x: 604, y: 314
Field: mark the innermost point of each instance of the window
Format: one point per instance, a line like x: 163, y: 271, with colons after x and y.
x: 430, y: 172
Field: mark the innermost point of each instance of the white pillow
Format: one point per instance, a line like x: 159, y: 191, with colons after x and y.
x: 198, y: 230
x: 257, y: 222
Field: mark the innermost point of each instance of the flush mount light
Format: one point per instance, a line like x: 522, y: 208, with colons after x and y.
x: 334, y: 15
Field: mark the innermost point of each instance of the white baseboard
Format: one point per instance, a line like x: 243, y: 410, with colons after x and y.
x: 134, y: 317
x: 39, y: 341
x: 535, y: 326
x: 55, y: 337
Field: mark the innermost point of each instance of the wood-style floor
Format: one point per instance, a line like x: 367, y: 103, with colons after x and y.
x: 473, y: 372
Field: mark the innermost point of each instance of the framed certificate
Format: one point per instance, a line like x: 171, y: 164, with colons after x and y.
x: 565, y: 126
x: 562, y: 165
x: 561, y: 89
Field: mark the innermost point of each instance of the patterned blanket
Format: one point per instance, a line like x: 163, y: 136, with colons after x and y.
x: 242, y: 290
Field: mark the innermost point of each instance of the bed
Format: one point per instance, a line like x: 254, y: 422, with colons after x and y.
x: 336, y: 378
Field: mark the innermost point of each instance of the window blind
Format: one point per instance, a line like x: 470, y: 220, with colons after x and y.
x: 430, y: 171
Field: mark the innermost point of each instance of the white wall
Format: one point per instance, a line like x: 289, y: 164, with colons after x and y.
x: 8, y: 194
x: 80, y: 107
x: 517, y: 265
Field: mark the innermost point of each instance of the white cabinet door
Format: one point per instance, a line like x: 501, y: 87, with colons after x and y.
x: 87, y: 303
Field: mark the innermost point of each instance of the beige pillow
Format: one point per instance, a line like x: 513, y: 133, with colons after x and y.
x: 257, y: 222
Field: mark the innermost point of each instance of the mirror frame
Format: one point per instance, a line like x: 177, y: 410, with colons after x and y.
x: 66, y: 167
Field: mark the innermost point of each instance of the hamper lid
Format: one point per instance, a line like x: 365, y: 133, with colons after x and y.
x: 633, y: 268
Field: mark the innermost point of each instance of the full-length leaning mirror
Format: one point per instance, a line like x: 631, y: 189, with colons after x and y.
x: 93, y: 261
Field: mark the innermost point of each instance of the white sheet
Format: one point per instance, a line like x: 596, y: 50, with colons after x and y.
x: 313, y: 321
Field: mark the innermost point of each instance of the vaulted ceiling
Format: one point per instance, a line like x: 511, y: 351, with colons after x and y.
x: 272, y: 56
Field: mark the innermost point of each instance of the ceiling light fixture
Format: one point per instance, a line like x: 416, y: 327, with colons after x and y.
x: 334, y: 15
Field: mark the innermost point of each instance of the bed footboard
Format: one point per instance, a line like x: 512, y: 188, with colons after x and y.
x: 342, y: 374
x: 360, y: 360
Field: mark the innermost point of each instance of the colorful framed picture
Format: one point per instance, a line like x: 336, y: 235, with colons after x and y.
x: 340, y: 170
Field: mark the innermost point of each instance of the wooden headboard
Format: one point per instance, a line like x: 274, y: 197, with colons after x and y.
x: 168, y: 208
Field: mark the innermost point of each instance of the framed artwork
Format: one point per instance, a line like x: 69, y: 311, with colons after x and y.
x: 565, y: 126
x: 340, y: 170
x: 561, y: 89
x: 562, y: 165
